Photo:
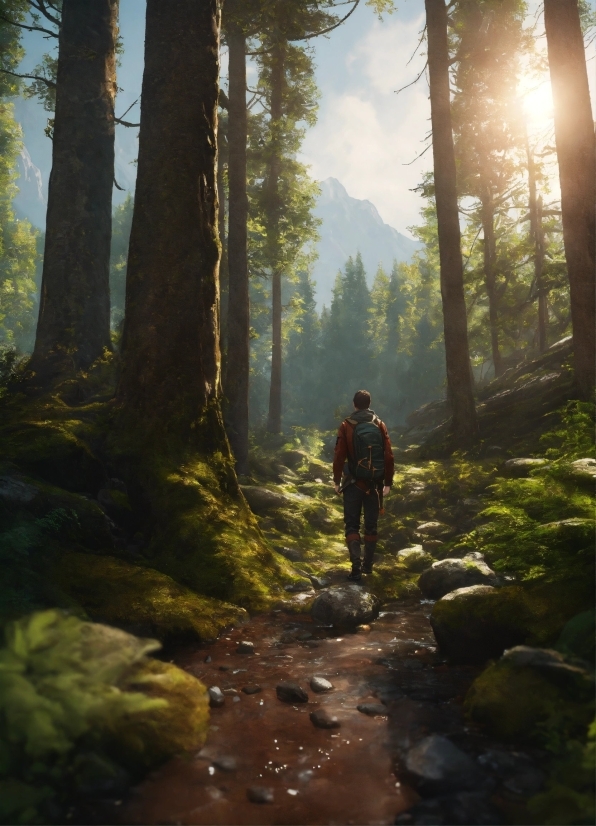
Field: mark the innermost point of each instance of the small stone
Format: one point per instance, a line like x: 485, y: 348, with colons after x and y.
x: 322, y: 719
x: 207, y: 658
x: 252, y: 689
x: 320, y: 582
x: 320, y: 684
x: 216, y: 697
x: 290, y: 692
x: 301, y: 587
x: 245, y: 647
x: 225, y: 763
x: 260, y: 794
x: 236, y: 699
x: 229, y: 692
x: 522, y: 467
x: 372, y: 709
x: 363, y: 629
x: 433, y: 529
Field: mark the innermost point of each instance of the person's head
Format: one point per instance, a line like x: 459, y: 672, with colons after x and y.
x: 362, y: 400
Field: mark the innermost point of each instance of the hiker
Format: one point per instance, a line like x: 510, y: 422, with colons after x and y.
x: 364, y: 442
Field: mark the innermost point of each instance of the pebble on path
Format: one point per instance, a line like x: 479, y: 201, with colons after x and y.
x: 321, y: 719
x: 290, y: 692
x: 225, y: 763
x: 320, y: 684
x: 260, y: 794
x: 372, y: 709
x: 245, y: 647
x: 216, y: 697
x: 252, y: 689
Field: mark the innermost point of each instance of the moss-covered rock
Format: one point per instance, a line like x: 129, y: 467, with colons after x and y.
x: 578, y: 637
x: 532, y: 697
x: 28, y: 498
x: 179, y: 725
x: 54, y: 451
x: 141, y: 599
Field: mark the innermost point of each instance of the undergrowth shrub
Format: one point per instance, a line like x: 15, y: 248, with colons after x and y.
x: 59, y: 699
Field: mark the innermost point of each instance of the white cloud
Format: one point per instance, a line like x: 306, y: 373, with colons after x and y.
x: 366, y: 133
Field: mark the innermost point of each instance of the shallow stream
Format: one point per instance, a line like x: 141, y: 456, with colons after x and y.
x: 260, y: 745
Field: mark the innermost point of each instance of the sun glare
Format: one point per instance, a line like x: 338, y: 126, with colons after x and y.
x: 538, y: 102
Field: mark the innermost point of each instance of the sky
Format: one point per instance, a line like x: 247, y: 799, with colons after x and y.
x: 367, y: 136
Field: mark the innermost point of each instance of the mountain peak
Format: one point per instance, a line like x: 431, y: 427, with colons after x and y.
x: 349, y: 226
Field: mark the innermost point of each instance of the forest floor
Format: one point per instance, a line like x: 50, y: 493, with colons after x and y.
x: 260, y: 747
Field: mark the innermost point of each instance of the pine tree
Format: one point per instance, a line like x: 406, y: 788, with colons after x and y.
x: 574, y: 137
x: 74, y: 318
x: 457, y: 354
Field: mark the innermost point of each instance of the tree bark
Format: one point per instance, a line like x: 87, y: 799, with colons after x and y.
x: 238, y: 354
x: 274, y: 207
x: 537, y: 235
x: 490, y: 257
x: 74, y: 317
x: 459, y: 377
x: 223, y: 264
x: 574, y: 138
x: 170, y: 377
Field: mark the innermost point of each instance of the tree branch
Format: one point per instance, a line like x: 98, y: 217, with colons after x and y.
x: 40, y: 5
x: 422, y: 71
x: 125, y: 123
x: 330, y: 28
x: 28, y: 28
x: 49, y: 83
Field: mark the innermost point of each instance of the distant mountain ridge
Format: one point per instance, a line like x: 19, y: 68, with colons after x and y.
x: 350, y: 226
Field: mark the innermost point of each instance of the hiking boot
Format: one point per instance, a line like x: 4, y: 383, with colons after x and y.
x: 354, y: 549
x: 369, y: 557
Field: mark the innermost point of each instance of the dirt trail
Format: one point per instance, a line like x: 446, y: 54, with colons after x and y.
x: 346, y: 775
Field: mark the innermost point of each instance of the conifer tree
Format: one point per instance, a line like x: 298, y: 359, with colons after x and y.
x: 170, y: 380
x: 457, y: 354
x: 574, y: 137
x: 74, y: 318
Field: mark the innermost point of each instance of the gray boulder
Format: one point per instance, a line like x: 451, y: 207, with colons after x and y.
x: 449, y: 575
x: 345, y: 606
x: 433, y: 529
x: 437, y: 766
x: 583, y: 470
x: 522, y: 467
x: 262, y: 500
x: 414, y: 558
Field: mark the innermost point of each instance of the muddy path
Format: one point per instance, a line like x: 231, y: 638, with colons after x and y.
x: 262, y: 747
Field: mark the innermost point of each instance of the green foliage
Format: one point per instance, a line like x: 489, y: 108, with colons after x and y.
x: 574, y: 437
x: 59, y: 689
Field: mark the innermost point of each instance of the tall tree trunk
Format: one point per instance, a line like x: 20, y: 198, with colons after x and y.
x: 537, y: 235
x: 274, y: 207
x: 490, y: 258
x: 238, y: 354
x: 574, y: 137
x: 170, y: 351
x: 459, y: 376
x: 74, y: 317
x: 221, y: 226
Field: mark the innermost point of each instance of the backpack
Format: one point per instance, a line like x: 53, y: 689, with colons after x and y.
x: 368, y: 461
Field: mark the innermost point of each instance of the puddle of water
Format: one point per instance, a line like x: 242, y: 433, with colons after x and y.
x: 318, y: 776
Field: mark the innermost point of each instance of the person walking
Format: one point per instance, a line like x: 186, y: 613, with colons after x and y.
x: 363, y: 468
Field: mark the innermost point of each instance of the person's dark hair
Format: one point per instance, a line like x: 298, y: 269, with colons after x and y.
x: 362, y: 399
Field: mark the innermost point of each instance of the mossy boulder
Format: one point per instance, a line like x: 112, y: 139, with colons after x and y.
x: 532, y: 695
x: 474, y: 624
x: 414, y: 558
x: 448, y: 575
x: 55, y: 452
x: 141, y: 599
x: 179, y: 725
x: 25, y: 498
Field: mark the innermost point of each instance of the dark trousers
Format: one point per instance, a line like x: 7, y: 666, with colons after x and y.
x: 355, y: 501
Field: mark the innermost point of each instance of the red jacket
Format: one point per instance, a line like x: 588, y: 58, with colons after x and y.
x: 344, y: 449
